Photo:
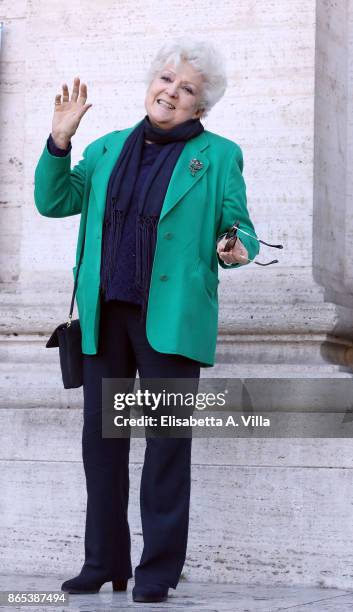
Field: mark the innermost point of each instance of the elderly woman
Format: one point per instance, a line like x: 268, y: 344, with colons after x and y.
x: 156, y: 200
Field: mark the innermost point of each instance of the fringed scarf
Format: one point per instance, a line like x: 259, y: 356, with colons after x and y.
x: 120, y: 189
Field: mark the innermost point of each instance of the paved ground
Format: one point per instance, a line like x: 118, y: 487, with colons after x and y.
x: 194, y: 597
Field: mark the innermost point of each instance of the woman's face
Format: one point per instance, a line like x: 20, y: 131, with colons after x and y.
x: 174, y: 96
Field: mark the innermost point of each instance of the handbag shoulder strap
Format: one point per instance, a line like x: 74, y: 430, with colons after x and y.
x: 89, y: 171
x: 92, y: 159
x: 76, y: 281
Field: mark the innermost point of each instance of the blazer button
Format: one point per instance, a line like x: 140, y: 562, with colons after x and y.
x: 168, y: 236
x: 163, y: 277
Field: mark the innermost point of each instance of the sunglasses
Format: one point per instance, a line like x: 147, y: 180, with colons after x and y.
x: 232, y: 237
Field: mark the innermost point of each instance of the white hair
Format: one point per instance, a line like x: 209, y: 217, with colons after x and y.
x: 204, y: 58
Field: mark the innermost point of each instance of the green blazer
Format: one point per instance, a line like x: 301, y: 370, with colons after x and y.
x: 182, y: 314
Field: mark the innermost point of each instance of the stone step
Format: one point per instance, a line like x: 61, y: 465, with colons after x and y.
x: 195, y: 596
x: 247, y: 524
x: 40, y: 385
x: 54, y: 434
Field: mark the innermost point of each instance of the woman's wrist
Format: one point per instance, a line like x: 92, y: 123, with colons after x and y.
x: 56, y: 151
x: 60, y: 141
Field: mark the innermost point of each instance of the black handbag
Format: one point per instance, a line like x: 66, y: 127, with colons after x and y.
x: 67, y: 336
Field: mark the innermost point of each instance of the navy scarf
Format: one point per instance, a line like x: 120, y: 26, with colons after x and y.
x: 120, y: 189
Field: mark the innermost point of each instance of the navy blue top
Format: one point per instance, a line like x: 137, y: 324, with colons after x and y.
x: 123, y: 286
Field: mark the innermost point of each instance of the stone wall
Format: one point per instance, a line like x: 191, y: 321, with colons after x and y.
x: 262, y: 510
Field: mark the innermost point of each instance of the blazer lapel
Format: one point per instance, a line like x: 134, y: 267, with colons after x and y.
x: 181, y: 180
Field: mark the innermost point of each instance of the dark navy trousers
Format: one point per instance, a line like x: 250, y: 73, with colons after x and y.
x: 166, y: 475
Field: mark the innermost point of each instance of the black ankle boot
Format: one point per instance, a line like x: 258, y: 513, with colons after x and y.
x: 119, y: 585
x: 150, y: 593
x: 80, y: 585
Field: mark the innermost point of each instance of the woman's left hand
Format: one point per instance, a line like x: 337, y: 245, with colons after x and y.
x: 238, y: 254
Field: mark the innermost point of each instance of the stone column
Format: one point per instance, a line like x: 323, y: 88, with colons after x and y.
x: 295, y: 318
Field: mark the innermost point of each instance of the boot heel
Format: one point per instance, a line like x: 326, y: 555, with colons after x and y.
x: 119, y: 585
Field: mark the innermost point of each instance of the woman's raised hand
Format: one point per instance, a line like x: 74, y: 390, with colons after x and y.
x: 68, y: 113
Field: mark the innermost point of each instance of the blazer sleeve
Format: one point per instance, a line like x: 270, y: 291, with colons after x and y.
x: 58, y: 190
x: 234, y: 208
